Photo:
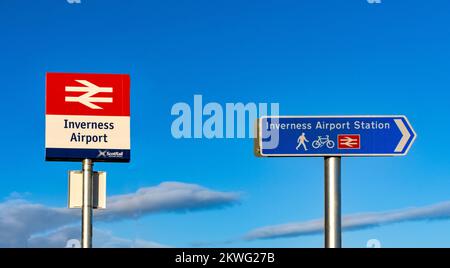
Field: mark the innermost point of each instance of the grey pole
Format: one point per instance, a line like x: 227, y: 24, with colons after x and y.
x: 333, y: 202
x: 87, y: 208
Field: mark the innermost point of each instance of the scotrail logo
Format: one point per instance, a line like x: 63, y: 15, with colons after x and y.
x: 108, y: 154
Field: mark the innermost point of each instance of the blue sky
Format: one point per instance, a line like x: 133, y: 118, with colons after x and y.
x: 311, y: 57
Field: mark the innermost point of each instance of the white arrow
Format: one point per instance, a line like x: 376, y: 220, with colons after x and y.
x: 405, y: 135
x: 87, y: 98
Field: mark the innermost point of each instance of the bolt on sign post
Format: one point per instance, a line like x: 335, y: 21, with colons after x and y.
x: 333, y: 137
x: 87, y: 120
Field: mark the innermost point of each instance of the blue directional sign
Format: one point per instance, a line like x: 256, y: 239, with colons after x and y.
x: 334, y: 136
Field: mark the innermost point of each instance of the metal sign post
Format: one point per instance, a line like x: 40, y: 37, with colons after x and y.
x: 87, y: 118
x: 333, y: 202
x: 333, y: 137
x: 87, y: 206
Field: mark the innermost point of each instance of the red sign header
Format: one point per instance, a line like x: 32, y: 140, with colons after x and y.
x: 88, y: 94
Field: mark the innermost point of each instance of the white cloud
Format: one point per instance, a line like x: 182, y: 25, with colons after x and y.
x: 354, y: 222
x: 17, y: 195
x: 101, y: 239
x: 166, y: 197
x: 21, y: 220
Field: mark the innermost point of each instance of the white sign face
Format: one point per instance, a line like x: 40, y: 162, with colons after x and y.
x: 88, y: 116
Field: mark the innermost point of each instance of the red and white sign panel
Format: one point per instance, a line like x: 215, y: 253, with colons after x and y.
x: 87, y: 116
x: 347, y: 141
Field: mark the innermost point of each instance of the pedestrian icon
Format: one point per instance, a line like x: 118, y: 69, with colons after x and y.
x: 302, y: 142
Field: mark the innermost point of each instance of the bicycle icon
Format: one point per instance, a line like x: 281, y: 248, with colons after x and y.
x: 321, y: 141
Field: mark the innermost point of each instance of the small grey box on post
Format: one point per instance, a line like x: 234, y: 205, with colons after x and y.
x: 75, y: 199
